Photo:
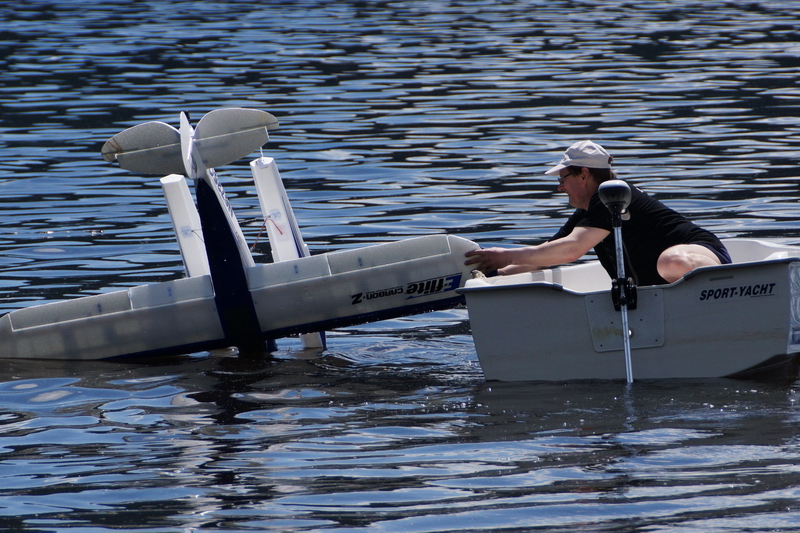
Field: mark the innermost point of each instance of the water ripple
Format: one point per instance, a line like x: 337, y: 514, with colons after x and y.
x: 397, y: 119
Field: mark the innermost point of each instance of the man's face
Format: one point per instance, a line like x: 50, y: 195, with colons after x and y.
x: 577, y: 185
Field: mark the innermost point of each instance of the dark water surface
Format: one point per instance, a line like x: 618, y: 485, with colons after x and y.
x: 398, y: 118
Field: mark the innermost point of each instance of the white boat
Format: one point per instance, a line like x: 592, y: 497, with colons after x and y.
x: 739, y: 320
x: 227, y: 299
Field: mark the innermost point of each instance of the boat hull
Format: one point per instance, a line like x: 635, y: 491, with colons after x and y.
x: 729, y: 321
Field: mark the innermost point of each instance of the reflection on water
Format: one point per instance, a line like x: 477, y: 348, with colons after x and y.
x: 305, y: 444
x: 398, y: 118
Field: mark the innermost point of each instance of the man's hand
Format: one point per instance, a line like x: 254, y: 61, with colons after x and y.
x: 488, y: 259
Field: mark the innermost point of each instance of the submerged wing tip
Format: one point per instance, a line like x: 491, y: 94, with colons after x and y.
x: 110, y: 150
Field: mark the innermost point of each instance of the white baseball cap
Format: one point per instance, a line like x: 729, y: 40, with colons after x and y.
x: 583, y: 154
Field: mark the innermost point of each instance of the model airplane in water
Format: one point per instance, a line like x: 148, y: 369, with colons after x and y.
x: 226, y: 299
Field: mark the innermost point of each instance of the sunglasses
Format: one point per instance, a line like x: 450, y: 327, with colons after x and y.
x: 565, y: 176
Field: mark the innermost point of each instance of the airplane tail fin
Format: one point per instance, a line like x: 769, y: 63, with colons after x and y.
x: 222, y: 136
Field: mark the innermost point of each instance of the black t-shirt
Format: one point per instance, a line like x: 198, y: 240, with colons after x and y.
x: 651, y: 229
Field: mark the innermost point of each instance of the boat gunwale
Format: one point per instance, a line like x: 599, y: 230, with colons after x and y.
x: 559, y: 287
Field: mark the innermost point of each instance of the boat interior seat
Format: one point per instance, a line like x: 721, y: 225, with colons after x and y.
x: 583, y: 277
x: 777, y: 255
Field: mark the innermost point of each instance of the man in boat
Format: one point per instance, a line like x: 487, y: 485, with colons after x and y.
x: 661, y: 245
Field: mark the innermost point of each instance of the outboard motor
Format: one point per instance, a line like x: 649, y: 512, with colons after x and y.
x: 616, y: 196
